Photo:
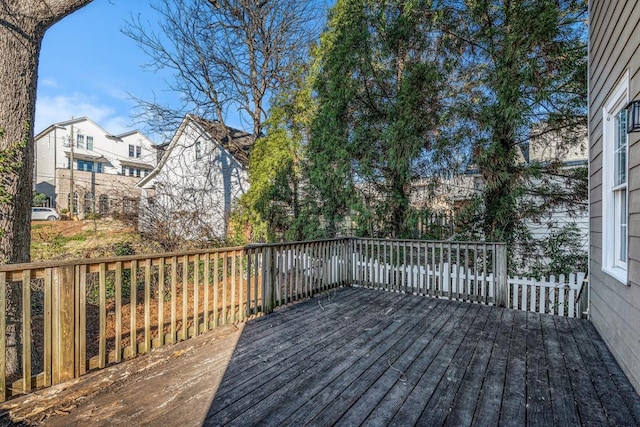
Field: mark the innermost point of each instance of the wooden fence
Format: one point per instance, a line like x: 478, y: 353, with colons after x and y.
x: 72, y: 317
x: 557, y: 296
x: 464, y: 271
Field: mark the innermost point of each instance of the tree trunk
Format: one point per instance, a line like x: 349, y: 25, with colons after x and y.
x: 18, y: 77
x: 22, y: 27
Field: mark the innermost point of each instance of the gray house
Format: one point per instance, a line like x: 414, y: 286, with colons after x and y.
x: 614, y: 161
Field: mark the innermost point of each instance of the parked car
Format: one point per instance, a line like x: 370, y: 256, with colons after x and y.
x: 44, y: 214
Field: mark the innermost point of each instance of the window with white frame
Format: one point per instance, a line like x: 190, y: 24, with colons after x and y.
x: 614, y: 183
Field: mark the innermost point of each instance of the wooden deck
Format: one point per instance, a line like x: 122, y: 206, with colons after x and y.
x: 362, y: 357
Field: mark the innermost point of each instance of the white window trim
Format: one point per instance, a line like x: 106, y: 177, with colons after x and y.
x: 617, y: 101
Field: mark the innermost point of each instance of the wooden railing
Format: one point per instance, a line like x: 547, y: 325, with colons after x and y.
x: 464, y: 271
x: 64, y: 319
x: 75, y: 316
x: 80, y: 315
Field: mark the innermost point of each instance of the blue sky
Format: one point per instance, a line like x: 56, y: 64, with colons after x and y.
x: 88, y: 67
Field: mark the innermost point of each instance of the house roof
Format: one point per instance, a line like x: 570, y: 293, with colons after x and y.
x: 80, y: 154
x: 87, y: 119
x: 68, y: 123
x: 239, y: 146
x: 131, y: 132
x: 135, y: 164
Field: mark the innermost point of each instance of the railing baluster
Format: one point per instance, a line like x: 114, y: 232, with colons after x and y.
x: 26, y: 331
x: 118, y: 319
x: 102, y: 345
x: 196, y: 294
x: 133, y: 309
x: 234, y: 285
x: 216, y: 290
x: 81, y: 333
x: 147, y: 306
x: 225, y: 285
x: 174, y: 297
x: 185, y: 297
x: 161, y: 279
x: 207, y: 283
x: 246, y: 257
x: 48, y: 282
x: 256, y: 273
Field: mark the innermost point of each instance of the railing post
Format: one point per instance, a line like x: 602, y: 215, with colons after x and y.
x: 268, y: 291
x: 63, y: 324
x: 348, y: 255
x: 502, y: 285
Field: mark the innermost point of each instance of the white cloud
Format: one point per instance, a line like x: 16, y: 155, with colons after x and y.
x: 48, y: 82
x: 54, y: 109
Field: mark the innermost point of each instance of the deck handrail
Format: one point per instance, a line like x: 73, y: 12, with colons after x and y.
x: 83, y: 314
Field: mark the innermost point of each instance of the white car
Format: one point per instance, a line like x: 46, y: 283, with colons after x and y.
x: 44, y: 214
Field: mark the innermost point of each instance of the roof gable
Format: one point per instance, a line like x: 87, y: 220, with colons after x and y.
x: 239, y: 146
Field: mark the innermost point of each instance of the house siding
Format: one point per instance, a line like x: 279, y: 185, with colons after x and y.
x: 52, y: 156
x: 195, y: 195
x: 614, y: 306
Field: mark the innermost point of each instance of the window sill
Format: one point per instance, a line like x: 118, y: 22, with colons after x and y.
x: 620, y: 274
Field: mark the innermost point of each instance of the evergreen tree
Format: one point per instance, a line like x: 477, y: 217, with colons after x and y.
x: 378, y: 88
x: 526, y: 68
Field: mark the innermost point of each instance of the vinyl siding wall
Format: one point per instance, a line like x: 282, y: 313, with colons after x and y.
x: 614, y: 45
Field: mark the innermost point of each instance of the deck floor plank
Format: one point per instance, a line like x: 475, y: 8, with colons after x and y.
x: 449, y: 318
x: 361, y: 397
x: 341, y: 358
x: 565, y: 411
x: 589, y: 406
x: 624, y: 390
x: 395, y: 397
x: 513, y: 408
x: 342, y: 333
x: 539, y: 408
x: 368, y: 352
x: 616, y: 410
x: 323, y: 387
x: 415, y: 402
x: 487, y: 410
x: 471, y: 383
x: 282, y: 338
x: 443, y: 399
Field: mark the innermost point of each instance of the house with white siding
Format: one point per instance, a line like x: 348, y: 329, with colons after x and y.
x: 100, y: 169
x: 201, y: 175
x: 614, y: 179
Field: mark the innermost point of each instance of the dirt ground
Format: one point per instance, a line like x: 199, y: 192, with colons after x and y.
x: 81, y: 239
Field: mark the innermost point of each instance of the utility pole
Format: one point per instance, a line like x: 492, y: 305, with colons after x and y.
x: 71, y: 175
